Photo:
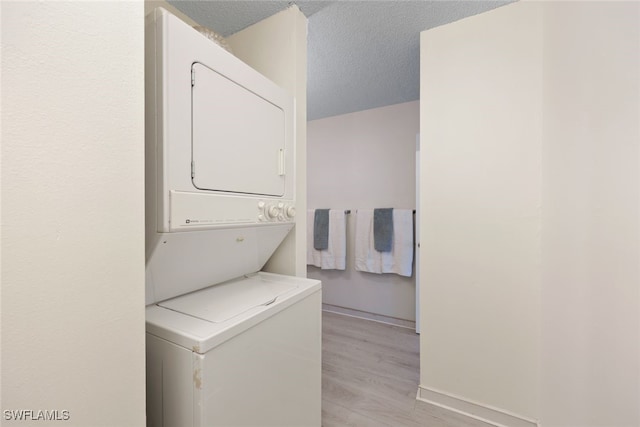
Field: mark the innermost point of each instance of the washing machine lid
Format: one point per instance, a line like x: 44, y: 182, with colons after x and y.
x: 225, y: 301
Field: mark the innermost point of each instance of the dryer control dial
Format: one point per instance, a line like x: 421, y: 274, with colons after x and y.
x: 271, y: 211
x: 289, y: 211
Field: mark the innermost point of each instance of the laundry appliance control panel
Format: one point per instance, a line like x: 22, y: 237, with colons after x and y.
x: 276, y: 211
x: 195, y: 211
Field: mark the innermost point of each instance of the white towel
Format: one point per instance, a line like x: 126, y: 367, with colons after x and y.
x: 335, y: 256
x: 400, y: 259
x: 367, y: 258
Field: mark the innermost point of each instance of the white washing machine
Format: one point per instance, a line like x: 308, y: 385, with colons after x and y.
x: 242, y: 353
x: 227, y: 344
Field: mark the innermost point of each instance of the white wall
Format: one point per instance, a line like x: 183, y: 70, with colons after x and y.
x: 73, y: 211
x: 590, y: 360
x: 277, y: 48
x: 358, y: 161
x: 531, y: 302
x: 480, y: 209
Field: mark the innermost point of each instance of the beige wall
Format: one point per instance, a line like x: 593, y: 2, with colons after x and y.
x: 364, y: 160
x: 530, y: 219
x: 481, y: 99
x: 277, y: 48
x: 590, y: 360
x: 72, y: 211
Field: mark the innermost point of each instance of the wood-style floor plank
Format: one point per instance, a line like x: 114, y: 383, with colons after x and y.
x: 370, y: 375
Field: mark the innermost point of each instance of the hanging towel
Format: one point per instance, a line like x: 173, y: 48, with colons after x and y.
x: 313, y: 255
x: 335, y: 256
x: 321, y: 229
x: 366, y: 257
x: 383, y: 229
x: 400, y: 259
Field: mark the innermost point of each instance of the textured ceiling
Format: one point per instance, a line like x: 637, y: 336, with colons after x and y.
x: 361, y: 54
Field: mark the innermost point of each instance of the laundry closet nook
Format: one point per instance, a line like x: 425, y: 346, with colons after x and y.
x: 222, y: 333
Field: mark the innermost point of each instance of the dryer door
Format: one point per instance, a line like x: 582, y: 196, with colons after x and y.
x: 238, y: 137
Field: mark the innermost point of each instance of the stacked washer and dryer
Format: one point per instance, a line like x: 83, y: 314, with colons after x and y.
x: 227, y: 344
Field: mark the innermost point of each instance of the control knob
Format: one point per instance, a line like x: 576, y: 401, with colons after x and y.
x: 289, y: 211
x: 271, y: 211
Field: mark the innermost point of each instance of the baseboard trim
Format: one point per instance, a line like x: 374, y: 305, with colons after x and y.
x: 369, y: 316
x: 488, y: 414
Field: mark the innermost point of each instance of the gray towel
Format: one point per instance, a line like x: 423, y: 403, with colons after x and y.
x: 383, y: 229
x: 321, y: 229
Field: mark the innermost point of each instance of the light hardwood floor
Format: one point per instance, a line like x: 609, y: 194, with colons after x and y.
x: 370, y: 374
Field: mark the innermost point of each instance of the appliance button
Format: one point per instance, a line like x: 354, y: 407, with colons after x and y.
x: 271, y: 211
x: 290, y: 211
